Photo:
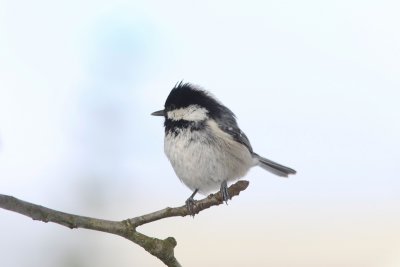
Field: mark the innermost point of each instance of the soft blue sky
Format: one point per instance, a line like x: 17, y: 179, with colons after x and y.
x: 314, y: 84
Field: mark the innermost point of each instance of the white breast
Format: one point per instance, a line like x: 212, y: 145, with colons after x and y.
x: 204, y: 159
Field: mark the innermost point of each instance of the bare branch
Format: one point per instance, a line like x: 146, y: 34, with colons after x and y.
x: 162, y: 249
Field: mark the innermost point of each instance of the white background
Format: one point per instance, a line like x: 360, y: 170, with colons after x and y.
x: 314, y: 84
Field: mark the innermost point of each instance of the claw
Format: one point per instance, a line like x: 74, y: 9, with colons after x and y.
x: 191, y: 203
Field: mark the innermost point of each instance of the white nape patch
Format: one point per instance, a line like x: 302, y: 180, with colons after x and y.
x: 190, y: 113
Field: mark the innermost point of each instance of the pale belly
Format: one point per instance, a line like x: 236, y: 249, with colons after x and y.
x: 204, y: 164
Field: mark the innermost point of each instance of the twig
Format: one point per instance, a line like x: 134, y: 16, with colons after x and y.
x: 162, y: 249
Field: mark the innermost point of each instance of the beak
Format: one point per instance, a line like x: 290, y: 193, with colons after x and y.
x: 158, y: 113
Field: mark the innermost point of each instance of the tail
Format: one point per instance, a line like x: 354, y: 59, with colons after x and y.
x: 273, y: 167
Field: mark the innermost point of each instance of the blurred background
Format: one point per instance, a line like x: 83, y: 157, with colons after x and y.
x: 314, y: 84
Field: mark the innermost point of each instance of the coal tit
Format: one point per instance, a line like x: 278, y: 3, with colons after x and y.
x: 204, y: 143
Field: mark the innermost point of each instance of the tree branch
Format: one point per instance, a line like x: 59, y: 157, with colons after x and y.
x: 162, y: 249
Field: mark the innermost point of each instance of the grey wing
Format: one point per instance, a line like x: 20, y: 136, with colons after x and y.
x: 229, y: 125
x: 239, y: 136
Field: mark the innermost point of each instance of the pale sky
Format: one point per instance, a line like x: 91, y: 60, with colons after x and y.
x: 314, y: 84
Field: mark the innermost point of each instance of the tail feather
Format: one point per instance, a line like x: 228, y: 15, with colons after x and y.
x: 273, y: 167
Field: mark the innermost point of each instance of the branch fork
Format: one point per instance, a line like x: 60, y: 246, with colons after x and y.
x: 163, y: 249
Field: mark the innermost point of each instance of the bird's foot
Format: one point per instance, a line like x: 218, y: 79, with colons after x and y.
x: 191, y: 203
x: 224, y: 192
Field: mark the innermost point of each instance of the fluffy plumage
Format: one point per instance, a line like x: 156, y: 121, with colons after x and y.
x: 204, y: 142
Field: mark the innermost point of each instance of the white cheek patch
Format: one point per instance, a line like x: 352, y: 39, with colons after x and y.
x: 190, y: 113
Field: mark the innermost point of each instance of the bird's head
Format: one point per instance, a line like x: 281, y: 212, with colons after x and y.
x: 187, y: 102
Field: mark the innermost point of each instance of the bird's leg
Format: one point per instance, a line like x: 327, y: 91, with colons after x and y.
x: 190, y: 202
x: 224, y: 192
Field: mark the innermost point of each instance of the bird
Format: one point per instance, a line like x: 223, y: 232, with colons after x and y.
x: 205, y: 145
